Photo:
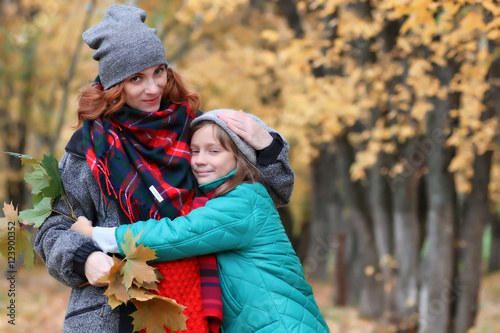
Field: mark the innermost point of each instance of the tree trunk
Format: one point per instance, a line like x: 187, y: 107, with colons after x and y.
x: 324, y: 213
x: 341, y: 287
x: 71, y: 73
x: 17, y: 128
x: 475, y: 215
x: 494, y: 258
x: 439, y: 262
x: 286, y: 218
x: 352, y: 196
x: 407, y: 237
x: 381, y: 209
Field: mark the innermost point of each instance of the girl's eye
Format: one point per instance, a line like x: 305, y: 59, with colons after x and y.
x: 213, y: 151
x: 159, y: 70
x: 194, y: 151
x: 135, y: 79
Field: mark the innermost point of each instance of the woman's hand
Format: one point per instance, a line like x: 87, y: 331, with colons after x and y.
x: 83, y: 226
x: 246, y: 127
x: 97, y: 265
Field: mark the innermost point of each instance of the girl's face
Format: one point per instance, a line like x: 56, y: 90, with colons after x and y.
x: 209, y: 160
x: 143, y: 90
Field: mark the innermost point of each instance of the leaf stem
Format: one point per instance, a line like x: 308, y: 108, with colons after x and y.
x: 68, y: 216
x: 67, y: 203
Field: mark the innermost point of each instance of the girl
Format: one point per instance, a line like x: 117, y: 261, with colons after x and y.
x: 262, y: 281
x: 130, y: 162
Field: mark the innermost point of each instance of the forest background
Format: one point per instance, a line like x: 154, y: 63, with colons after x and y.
x: 390, y: 106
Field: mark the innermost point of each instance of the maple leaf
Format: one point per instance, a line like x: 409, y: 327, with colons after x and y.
x: 158, y: 312
x: 150, y: 285
x: 117, y: 293
x: 38, y: 179
x: 136, y: 258
x: 10, y: 212
x: 51, y: 167
x: 14, y: 238
x: 42, y: 208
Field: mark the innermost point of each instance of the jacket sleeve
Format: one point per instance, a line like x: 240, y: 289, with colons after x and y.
x: 274, y: 165
x: 64, y: 251
x: 224, y: 223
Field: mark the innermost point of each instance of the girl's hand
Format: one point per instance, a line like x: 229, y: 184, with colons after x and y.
x: 83, y: 226
x: 97, y: 265
x: 246, y: 127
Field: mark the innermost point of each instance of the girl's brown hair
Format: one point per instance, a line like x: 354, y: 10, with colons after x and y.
x: 94, y: 103
x: 246, y: 171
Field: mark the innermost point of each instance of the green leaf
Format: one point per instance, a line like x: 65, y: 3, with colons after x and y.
x: 23, y: 244
x: 38, y: 179
x: 24, y: 158
x: 55, y: 187
x: 42, y: 208
x: 46, y: 186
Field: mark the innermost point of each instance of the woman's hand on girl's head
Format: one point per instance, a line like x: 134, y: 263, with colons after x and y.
x: 246, y: 127
x: 83, y: 226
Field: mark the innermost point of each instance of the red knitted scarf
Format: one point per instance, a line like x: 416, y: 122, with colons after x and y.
x: 194, y: 283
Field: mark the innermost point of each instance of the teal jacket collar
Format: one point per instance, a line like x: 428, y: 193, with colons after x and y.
x: 205, y: 188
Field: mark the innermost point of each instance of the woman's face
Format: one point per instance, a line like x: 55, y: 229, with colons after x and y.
x: 209, y: 159
x: 143, y: 90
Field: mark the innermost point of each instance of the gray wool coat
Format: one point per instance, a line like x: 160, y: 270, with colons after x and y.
x: 64, y: 251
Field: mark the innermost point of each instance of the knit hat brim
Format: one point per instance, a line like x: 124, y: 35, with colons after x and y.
x: 242, y: 145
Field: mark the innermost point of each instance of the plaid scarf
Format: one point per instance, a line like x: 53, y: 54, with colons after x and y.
x: 142, y: 159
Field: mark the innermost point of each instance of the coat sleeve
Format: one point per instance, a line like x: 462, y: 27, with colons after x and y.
x: 224, y: 223
x: 274, y: 165
x: 63, y: 250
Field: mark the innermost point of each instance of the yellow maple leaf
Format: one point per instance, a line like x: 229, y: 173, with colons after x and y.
x: 10, y: 212
x: 116, y: 291
x: 158, y: 312
x: 136, y: 258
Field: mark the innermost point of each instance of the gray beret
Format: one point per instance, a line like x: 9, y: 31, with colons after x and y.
x: 124, y: 44
x: 242, y: 145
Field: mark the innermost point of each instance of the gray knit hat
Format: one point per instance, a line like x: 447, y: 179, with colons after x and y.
x: 124, y: 44
x: 242, y: 145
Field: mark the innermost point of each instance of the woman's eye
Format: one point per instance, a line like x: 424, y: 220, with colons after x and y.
x: 135, y: 79
x: 159, y: 70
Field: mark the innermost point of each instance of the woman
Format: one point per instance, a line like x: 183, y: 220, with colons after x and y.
x: 130, y: 161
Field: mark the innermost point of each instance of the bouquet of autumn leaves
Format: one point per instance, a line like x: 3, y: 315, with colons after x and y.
x: 130, y: 279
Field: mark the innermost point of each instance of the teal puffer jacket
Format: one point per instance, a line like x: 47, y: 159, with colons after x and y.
x: 262, y: 280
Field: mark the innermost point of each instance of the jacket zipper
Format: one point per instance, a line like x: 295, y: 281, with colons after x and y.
x: 87, y: 309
